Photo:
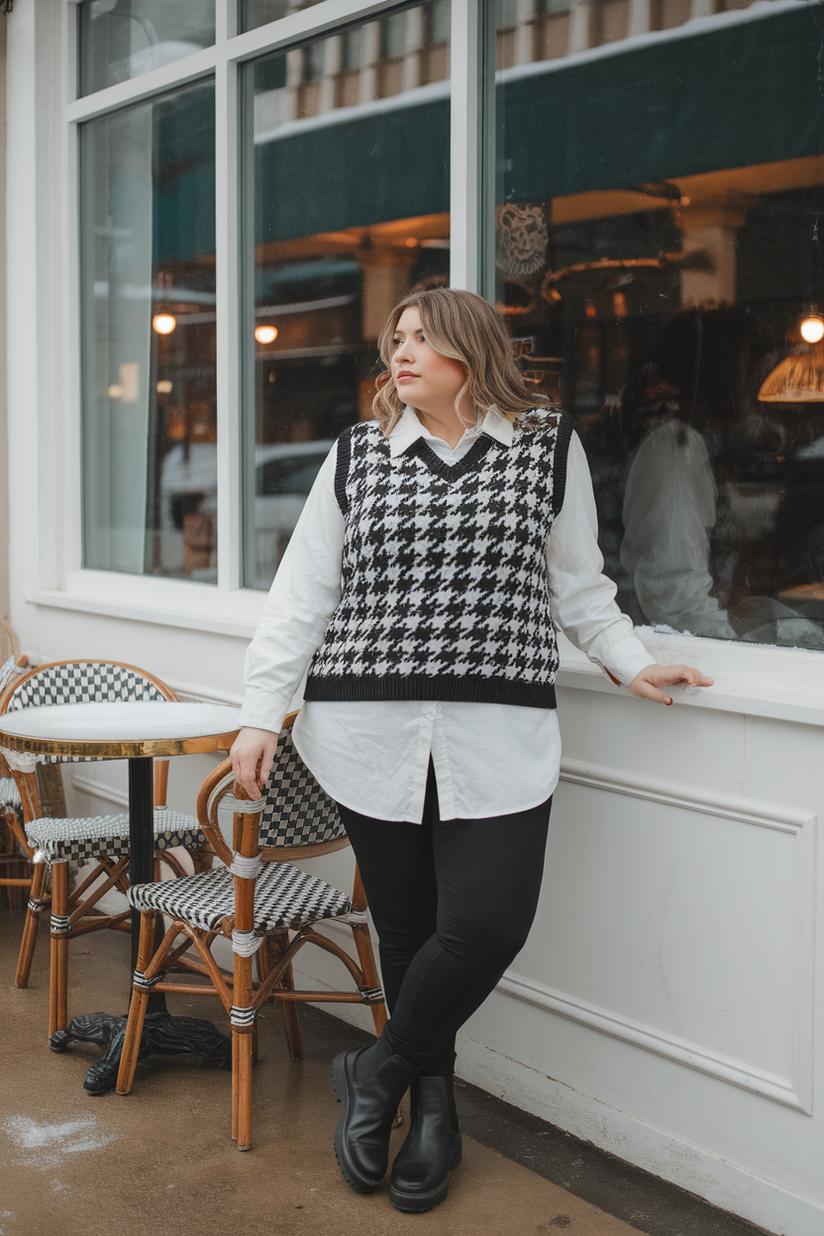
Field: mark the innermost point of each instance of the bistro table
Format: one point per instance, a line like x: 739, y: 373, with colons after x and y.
x: 137, y: 731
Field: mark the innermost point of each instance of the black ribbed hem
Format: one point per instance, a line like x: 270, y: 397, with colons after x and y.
x: 425, y: 687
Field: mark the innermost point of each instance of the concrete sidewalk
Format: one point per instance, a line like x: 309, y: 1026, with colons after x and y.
x: 161, y: 1159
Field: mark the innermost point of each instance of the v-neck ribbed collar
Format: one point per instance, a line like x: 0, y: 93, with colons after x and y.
x: 409, y: 429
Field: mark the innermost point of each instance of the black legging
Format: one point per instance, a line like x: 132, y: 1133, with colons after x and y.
x: 453, y: 902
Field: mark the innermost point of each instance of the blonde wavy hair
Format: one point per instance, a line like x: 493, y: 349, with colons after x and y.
x: 467, y: 329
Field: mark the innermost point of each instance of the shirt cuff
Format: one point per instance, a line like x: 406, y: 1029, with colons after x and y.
x: 262, y: 710
x: 626, y: 658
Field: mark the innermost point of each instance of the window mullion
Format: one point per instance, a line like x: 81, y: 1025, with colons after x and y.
x: 466, y: 136
x: 228, y: 308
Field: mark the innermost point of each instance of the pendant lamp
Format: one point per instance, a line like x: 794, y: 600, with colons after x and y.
x: 799, y: 378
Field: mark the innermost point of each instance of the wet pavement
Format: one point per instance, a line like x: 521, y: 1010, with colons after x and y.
x: 161, y: 1159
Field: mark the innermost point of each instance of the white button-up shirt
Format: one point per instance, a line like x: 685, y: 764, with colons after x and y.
x: 489, y: 759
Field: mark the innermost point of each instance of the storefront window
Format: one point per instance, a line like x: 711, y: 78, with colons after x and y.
x: 660, y: 201
x: 119, y: 39
x: 148, y: 319
x: 348, y: 142
x: 256, y: 13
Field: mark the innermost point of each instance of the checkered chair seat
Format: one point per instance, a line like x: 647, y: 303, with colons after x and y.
x: 10, y: 797
x: 108, y: 835
x: 285, y: 897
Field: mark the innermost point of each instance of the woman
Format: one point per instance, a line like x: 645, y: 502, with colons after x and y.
x: 417, y: 589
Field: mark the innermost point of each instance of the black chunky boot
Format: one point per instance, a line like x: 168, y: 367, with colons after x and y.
x: 369, y: 1084
x: 420, y: 1173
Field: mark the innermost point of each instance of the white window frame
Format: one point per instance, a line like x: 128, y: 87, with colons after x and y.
x: 225, y: 607
x: 761, y: 680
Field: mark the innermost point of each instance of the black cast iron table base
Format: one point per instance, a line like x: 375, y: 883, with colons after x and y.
x: 170, y: 1036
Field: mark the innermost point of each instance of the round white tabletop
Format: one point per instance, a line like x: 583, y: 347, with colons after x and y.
x: 138, y: 731
x: 121, y: 729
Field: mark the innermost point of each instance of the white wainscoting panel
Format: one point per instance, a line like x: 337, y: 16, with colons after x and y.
x: 680, y: 920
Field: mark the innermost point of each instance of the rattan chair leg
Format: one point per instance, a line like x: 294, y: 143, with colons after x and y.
x: 291, y: 1017
x: 59, y: 968
x: 38, y: 885
x: 235, y: 1082
x: 137, y: 1008
x: 366, y: 957
x: 242, y: 987
x: 244, y: 1088
x: 366, y: 954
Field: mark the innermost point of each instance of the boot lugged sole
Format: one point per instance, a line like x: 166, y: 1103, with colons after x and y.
x: 361, y: 1184
x: 417, y: 1203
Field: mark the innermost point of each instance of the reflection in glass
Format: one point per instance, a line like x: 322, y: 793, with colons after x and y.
x: 656, y: 285
x: 349, y: 137
x: 148, y: 320
x: 254, y: 13
x: 120, y: 39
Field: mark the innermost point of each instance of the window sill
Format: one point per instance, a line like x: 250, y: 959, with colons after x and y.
x: 760, y: 680
x: 160, y: 602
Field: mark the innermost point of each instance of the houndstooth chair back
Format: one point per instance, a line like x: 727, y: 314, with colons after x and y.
x: 298, y: 812
x: 82, y: 682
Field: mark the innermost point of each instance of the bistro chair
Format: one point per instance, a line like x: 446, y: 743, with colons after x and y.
x: 15, y: 852
x: 9, y: 644
x: 264, y: 905
x: 101, y: 841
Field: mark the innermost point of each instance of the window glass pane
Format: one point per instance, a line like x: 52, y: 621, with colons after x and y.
x: 119, y: 39
x: 341, y: 230
x: 148, y: 300
x: 254, y: 13
x: 658, y: 244
x: 394, y: 33
x: 437, y: 21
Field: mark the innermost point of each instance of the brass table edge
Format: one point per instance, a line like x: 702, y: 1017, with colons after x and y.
x: 120, y: 749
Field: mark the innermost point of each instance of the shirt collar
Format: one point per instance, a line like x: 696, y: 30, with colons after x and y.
x: 408, y: 429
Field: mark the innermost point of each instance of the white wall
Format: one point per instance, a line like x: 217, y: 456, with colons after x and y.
x: 664, y: 1007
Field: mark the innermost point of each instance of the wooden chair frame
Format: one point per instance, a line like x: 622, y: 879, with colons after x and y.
x: 276, y: 956
x: 22, y: 853
x: 79, y: 904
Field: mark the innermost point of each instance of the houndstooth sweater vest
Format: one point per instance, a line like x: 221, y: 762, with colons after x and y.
x: 444, y: 570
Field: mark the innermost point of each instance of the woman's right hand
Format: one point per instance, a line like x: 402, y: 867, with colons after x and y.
x: 252, y: 755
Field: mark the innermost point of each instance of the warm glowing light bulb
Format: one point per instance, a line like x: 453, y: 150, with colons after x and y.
x: 266, y: 334
x: 164, y: 387
x: 812, y: 328
x: 164, y: 323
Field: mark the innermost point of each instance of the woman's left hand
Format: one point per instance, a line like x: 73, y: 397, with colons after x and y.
x: 646, y: 683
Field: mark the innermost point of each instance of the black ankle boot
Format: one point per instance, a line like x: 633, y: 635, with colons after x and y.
x: 420, y: 1173
x: 369, y: 1084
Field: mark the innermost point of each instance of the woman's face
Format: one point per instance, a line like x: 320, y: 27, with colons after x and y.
x: 423, y: 378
